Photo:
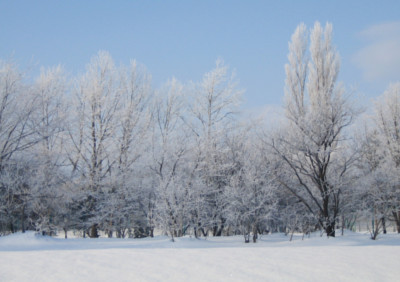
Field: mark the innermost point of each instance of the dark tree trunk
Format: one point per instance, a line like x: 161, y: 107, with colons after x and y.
x: 219, y: 228
x: 12, y: 229
x: 375, y: 227
x: 329, y: 222
x: 203, y: 231
x: 93, y: 231
x: 384, y: 225
x: 139, y: 232
x: 255, y: 234
x: 215, y: 229
x: 195, y: 232
x: 343, y: 224
x: 23, y: 219
x: 219, y: 231
x: 396, y: 215
x: 330, y: 229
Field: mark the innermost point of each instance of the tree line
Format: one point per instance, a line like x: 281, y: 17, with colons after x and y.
x: 105, y: 152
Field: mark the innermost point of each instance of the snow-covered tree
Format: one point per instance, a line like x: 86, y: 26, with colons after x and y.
x: 215, y: 103
x: 313, y: 154
x: 16, y: 107
x: 169, y: 150
x: 249, y: 198
x: 381, y: 155
x: 126, y: 207
x: 17, y: 134
x: 49, y: 119
x: 92, y: 145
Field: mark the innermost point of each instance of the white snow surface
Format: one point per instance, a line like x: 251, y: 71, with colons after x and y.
x: 352, y: 257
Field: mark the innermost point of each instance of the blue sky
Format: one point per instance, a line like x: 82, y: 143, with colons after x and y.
x: 184, y: 38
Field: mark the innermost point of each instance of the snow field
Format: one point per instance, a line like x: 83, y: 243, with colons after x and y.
x: 26, y: 257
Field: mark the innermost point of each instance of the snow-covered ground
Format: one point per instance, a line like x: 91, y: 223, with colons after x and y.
x: 353, y: 257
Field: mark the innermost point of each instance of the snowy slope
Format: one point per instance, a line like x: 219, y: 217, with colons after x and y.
x: 353, y: 257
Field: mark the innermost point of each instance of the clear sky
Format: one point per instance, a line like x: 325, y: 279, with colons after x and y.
x: 184, y: 38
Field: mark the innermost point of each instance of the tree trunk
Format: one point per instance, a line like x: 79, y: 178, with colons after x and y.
x: 343, y: 224
x: 219, y: 231
x: 220, y: 228
x: 247, y: 237
x: 23, y: 219
x: 255, y: 234
x: 330, y: 229
x: 93, y: 231
x: 12, y: 229
x: 291, y: 235
x: 375, y: 228
x: 205, y: 234
x: 396, y: 215
x: 214, y: 230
